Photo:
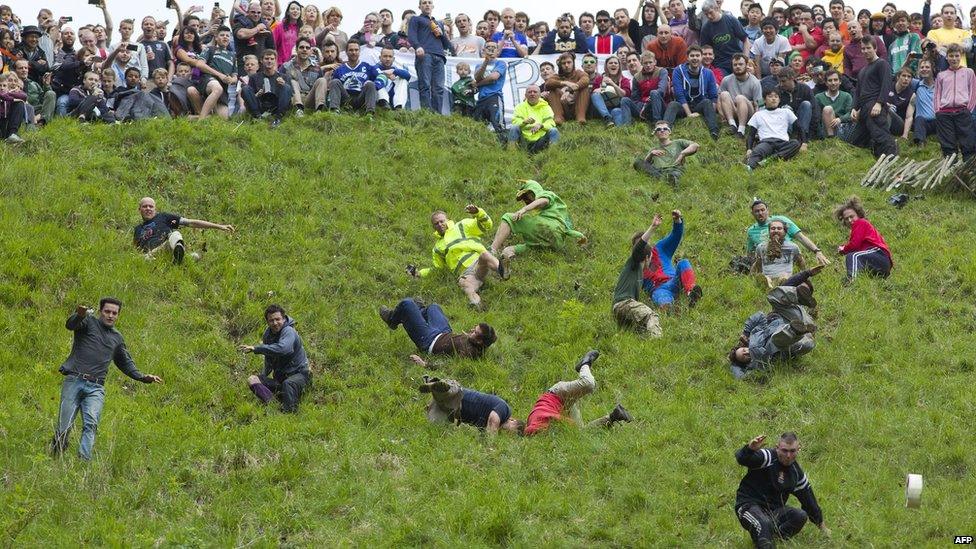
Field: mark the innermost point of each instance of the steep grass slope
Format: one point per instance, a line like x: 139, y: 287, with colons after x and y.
x: 328, y: 211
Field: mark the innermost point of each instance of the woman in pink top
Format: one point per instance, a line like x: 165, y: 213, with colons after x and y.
x: 285, y: 34
x: 866, y: 250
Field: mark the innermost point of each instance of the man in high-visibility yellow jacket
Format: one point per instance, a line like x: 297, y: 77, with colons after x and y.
x: 533, y: 122
x: 459, y: 250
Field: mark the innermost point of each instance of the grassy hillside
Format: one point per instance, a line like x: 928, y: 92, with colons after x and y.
x: 328, y: 211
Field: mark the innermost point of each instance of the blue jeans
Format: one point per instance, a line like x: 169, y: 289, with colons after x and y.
x: 600, y: 104
x: 86, y: 397
x: 551, y: 137
x: 430, y: 81
x: 62, y: 105
x: 803, y: 116
x: 423, y: 325
x: 653, y: 110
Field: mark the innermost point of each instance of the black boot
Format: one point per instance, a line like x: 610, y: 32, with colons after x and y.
x: 386, y: 314
x: 588, y: 358
x: 620, y: 413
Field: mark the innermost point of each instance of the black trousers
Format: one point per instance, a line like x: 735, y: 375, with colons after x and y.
x: 956, y: 132
x: 768, y: 148
x: 13, y: 121
x: 765, y: 524
x: 290, y: 390
x: 874, y: 132
x: 487, y: 109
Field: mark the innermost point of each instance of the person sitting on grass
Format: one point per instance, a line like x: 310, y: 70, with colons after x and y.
x: 768, y: 133
x: 760, y: 501
x: 666, y: 160
x: 564, y: 397
x: 268, y: 93
x: 776, y: 256
x: 286, y: 372
x: 431, y: 332
x: 866, y: 250
x: 459, y: 250
x: 542, y: 223
x: 785, y: 333
x: 353, y: 83
x: 569, y: 90
x: 12, y: 101
x: 628, y: 310
x: 159, y: 229
x: 759, y: 231
x: 533, y: 122
x: 96, y: 342
x: 836, y: 105
x: 662, y: 279
x: 455, y: 404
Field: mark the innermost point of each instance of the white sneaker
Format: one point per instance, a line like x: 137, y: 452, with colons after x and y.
x: 14, y: 139
x: 299, y: 113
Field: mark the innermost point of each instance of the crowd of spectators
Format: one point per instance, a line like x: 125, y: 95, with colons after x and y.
x: 866, y: 78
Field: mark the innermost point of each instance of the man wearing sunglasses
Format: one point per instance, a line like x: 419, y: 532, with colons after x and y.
x: 308, y: 85
x: 251, y: 35
x: 666, y: 160
x: 760, y: 502
x: 605, y: 41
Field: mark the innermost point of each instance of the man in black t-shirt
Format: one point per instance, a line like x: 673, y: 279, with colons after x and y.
x: 251, y: 35
x: 760, y: 502
x: 159, y: 229
x: 451, y: 402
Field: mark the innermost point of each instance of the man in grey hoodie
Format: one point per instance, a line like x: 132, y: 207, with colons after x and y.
x: 96, y: 343
x: 785, y: 333
x: 286, y: 372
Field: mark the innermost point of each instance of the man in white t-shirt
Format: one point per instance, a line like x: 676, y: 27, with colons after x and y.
x: 466, y: 44
x: 769, y: 45
x: 768, y: 134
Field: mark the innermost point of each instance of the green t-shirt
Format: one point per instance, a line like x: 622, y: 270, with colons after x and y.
x: 222, y: 60
x: 760, y: 233
x: 671, y: 151
x: 632, y: 275
x: 463, y: 92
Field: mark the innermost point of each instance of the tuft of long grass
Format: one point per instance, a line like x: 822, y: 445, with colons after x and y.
x: 329, y: 210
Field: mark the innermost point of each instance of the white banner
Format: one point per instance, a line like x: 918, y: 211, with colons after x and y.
x: 520, y: 74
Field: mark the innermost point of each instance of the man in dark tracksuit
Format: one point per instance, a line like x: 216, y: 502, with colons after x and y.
x: 96, y: 343
x: 760, y: 502
x: 871, y: 111
x: 286, y: 370
x: 453, y: 403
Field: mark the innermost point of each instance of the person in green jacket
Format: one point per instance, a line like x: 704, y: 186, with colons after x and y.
x: 459, y: 250
x: 39, y: 94
x: 542, y: 223
x: 533, y: 122
x: 835, y: 107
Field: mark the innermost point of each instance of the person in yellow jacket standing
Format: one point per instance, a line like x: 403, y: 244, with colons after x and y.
x: 533, y: 122
x: 459, y: 250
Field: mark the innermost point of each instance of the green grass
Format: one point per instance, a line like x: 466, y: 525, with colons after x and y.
x: 328, y: 211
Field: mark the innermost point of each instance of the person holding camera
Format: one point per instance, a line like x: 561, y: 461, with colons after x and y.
x: 96, y: 342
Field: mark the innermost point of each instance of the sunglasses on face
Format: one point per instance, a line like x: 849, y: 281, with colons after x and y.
x: 601, y: 20
x: 304, y: 47
x: 662, y: 129
x: 589, y: 62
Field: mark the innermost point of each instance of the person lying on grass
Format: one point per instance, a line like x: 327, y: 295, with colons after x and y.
x: 286, y: 372
x: 455, y: 404
x: 542, y: 223
x: 662, y: 279
x: 459, y: 250
x: 159, y: 229
x: 561, y: 402
x: 785, y: 333
x: 430, y: 330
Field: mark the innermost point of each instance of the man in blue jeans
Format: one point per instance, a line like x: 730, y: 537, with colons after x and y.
x: 96, y: 343
x: 431, y: 44
x: 430, y: 330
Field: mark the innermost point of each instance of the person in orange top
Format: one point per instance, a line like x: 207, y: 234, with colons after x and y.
x: 669, y: 50
x: 568, y: 87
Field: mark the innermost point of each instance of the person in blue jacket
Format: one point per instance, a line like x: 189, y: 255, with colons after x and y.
x: 695, y: 93
x: 386, y: 75
x: 286, y: 372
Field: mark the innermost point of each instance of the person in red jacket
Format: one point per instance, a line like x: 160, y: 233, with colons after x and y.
x: 565, y: 396
x: 866, y: 249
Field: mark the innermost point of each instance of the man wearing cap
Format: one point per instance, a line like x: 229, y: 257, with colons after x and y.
x: 543, y: 222
x: 771, y: 80
x: 455, y: 404
x: 758, y: 232
x: 31, y: 51
x: 431, y: 332
x: 96, y: 343
x: 760, y: 501
x: 666, y: 159
x: 459, y: 250
x: 565, y: 397
x: 159, y: 229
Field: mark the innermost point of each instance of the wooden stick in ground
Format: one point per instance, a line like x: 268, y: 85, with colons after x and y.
x: 896, y: 176
x: 879, y: 176
x: 867, y: 177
